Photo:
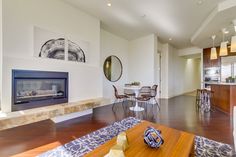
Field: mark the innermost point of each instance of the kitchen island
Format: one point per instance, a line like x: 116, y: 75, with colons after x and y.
x: 224, y: 96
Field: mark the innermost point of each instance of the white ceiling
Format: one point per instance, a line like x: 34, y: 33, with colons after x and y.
x: 220, y: 18
x: 176, y: 19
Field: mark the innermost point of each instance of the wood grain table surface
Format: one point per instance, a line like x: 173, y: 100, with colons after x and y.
x: 176, y: 143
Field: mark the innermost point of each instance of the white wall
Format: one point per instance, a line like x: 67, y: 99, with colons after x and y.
x: 19, y: 18
x: 164, y: 71
x: 139, y: 58
x: 142, y: 60
x: 174, y: 71
x: 0, y: 51
x: 157, y: 65
x: 114, y: 45
x: 179, y: 75
x: 192, y: 74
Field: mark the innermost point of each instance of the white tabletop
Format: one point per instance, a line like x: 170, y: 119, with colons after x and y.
x: 133, y: 87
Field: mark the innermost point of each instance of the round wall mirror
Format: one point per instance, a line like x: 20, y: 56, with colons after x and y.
x: 112, y: 68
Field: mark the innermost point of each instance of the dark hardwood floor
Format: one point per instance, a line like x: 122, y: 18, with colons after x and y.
x: 179, y: 113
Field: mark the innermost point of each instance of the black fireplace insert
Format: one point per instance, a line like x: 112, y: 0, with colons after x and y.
x: 31, y: 89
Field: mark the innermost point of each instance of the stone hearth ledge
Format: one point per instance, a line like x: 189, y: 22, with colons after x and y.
x: 19, y: 118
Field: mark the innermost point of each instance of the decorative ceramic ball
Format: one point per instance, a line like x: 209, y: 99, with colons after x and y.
x: 153, y: 138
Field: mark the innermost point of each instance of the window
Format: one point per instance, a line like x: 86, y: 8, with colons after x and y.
x: 226, y: 71
x: 228, y: 67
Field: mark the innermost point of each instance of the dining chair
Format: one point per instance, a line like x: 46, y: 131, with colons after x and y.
x: 130, y: 94
x: 145, y: 90
x: 118, y: 98
x: 153, y: 95
x: 144, y: 95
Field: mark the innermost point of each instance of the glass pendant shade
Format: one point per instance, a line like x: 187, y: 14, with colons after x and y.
x: 223, y: 49
x: 213, y: 49
x: 213, y: 53
x: 233, y: 44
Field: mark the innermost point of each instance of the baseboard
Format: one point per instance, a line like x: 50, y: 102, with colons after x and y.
x: 190, y: 92
x: 176, y: 95
x: 71, y: 116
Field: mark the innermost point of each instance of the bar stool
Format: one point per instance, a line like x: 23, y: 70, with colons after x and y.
x: 204, y: 100
x: 198, y: 98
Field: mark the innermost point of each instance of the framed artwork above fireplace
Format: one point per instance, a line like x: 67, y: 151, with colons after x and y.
x: 48, y: 44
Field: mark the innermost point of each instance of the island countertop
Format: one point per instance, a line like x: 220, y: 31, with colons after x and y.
x: 220, y: 83
x: 224, y: 96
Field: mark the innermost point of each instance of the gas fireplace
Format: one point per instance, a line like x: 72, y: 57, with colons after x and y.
x: 31, y: 89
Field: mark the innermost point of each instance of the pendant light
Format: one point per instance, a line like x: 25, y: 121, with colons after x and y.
x: 213, y: 49
x: 223, y: 45
x: 233, y: 39
x: 109, y: 3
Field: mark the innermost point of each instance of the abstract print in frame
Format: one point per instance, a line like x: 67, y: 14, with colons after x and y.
x: 77, y: 50
x: 48, y: 44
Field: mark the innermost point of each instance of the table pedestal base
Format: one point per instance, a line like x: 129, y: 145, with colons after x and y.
x: 136, y: 108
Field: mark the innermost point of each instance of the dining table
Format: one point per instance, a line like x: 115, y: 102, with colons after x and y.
x: 136, y: 90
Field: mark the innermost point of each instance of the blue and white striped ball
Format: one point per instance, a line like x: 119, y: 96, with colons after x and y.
x: 153, y: 138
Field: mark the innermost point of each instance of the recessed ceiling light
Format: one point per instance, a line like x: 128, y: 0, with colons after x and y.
x: 226, y: 32
x: 200, y: 2
x: 109, y: 3
x: 143, y: 16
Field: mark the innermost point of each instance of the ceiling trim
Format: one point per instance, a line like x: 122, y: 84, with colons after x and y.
x: 205, y: 23
x: 220, y: 8
x: 226, y: 5
x: 190, y: 51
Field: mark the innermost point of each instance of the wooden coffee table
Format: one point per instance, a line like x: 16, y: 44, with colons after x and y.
x: 177, y: 143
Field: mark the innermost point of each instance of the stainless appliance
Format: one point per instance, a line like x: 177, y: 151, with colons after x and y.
x: 211, y: 75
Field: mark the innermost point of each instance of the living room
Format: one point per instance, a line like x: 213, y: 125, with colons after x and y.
x: 57, y: 82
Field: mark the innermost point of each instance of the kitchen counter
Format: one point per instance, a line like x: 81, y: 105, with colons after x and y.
x: 224, y: 96
x: 220, y: 83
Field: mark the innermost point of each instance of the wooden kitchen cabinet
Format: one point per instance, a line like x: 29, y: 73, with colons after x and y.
x: 207, y: 62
